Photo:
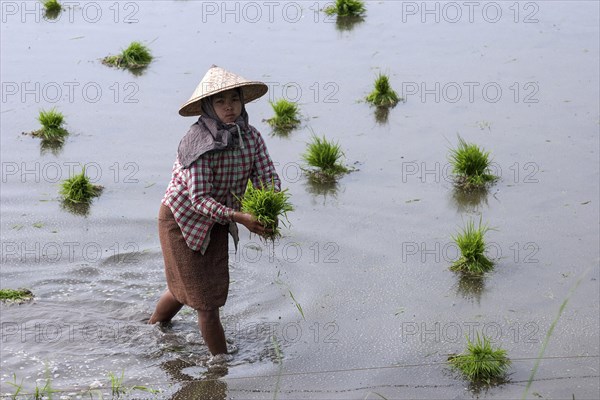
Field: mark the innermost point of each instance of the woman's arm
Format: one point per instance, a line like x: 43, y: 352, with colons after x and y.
x: 200, y: 178
x: 263, y: 170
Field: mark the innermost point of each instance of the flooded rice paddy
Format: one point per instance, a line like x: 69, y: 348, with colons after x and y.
x: 365, y: 259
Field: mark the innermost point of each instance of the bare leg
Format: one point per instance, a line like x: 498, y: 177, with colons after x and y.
x: 212, y: 331
x: 166, y: 308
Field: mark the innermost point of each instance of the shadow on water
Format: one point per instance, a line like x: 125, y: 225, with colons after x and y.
x: 347, y: 23
x: 471, y: 287
x: 207, y: 386
x: 470, y: 201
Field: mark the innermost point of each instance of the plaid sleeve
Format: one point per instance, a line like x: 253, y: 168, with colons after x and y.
x: 200, y: 178
x: 263, y: 170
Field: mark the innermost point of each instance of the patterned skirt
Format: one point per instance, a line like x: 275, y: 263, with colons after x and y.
x: 196, y: 280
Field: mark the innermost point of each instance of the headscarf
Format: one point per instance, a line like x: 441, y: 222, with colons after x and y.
x: 209, y: 133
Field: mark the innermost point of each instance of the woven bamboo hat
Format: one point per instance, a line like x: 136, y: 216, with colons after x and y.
x: 219, y: 80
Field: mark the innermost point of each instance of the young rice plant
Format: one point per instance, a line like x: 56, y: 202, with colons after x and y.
x: 471, y: 165
x: 15, y: 295
x: 346, y: 8
x: 267, y: 205
x: 79, y: 189
x: 472, y: 249
x: 52, y: 129
x: 481, y: 363
x: 325, y: 156
x: 286, y: 115
x: 383, y: 95
x: 135, y: 56
x: 52, y: 6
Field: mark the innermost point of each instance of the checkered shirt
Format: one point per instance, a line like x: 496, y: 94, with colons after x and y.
x: 206, y: 192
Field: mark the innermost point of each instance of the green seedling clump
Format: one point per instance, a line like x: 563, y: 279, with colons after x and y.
x: 480, y: 363
x: 286, y: 115
x: 52, y: 129
x: 383, y: 95
x: 133, y: 57
x: 472, y: 249
x: 267, y: 205
x: 52, y: 6
x: 346, y: 8
x: 78, y: 189
x: 325, y: 156
x: 15, y: 295
x: 471, y: 165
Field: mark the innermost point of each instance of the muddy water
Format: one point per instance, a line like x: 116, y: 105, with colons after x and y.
x: 366, y: 260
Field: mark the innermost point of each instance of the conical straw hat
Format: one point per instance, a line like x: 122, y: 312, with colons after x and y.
x: 219, y: 80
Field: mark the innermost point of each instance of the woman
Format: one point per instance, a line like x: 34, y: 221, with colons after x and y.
x: 215, y: 160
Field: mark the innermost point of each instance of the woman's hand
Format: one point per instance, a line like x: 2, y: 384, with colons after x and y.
x: 250, y: 222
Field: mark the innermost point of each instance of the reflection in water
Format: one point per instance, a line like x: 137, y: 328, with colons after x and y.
x: 51, y: 146
x: 382, y: 114
x: 347, y: 23
x: 208, y: 386
x: 322, y: 188
x: 51, y: 14
x: 469, y: 201
x: 82, y: 209
x: 471, y: 287
x: 281, y: 132
x: 137, y: 71
x: 480, y: 389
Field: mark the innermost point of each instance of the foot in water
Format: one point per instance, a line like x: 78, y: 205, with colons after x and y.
x: 218, y: 363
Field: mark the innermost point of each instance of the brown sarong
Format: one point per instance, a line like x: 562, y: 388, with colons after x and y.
x: 196, y: 280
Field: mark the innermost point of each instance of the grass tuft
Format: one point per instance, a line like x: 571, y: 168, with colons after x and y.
x: 472, y: 248
x: 18, y: 387
x: 346, y: 8
x: 550, y: 331
x: 471, y: 165
x: 52, y: 129
x: 78, y: 189
x: 266, y: 205
x: 326, y: 157
x: 481, y: 363
x: 298, y: 306
x: 15, y: 295
x: 286, y: 115
x: 116, y: 384
x: 135, y: 56
x: 383, y: 95
x: 52, y: 6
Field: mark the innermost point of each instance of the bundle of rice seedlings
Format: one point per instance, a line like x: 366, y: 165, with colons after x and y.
x: 266, y: 205
x: 481, y: 363
x: 286, y: 115
x: 15, y: 295
x: 472, y: 249
x: 383, y: 95
x: 471, y: 165
x: 79, y: 189
x: 52, y: 6
x: 346, y: 8
x: 52, y: 129
x: 133, y: 57
x: 325, y: 157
